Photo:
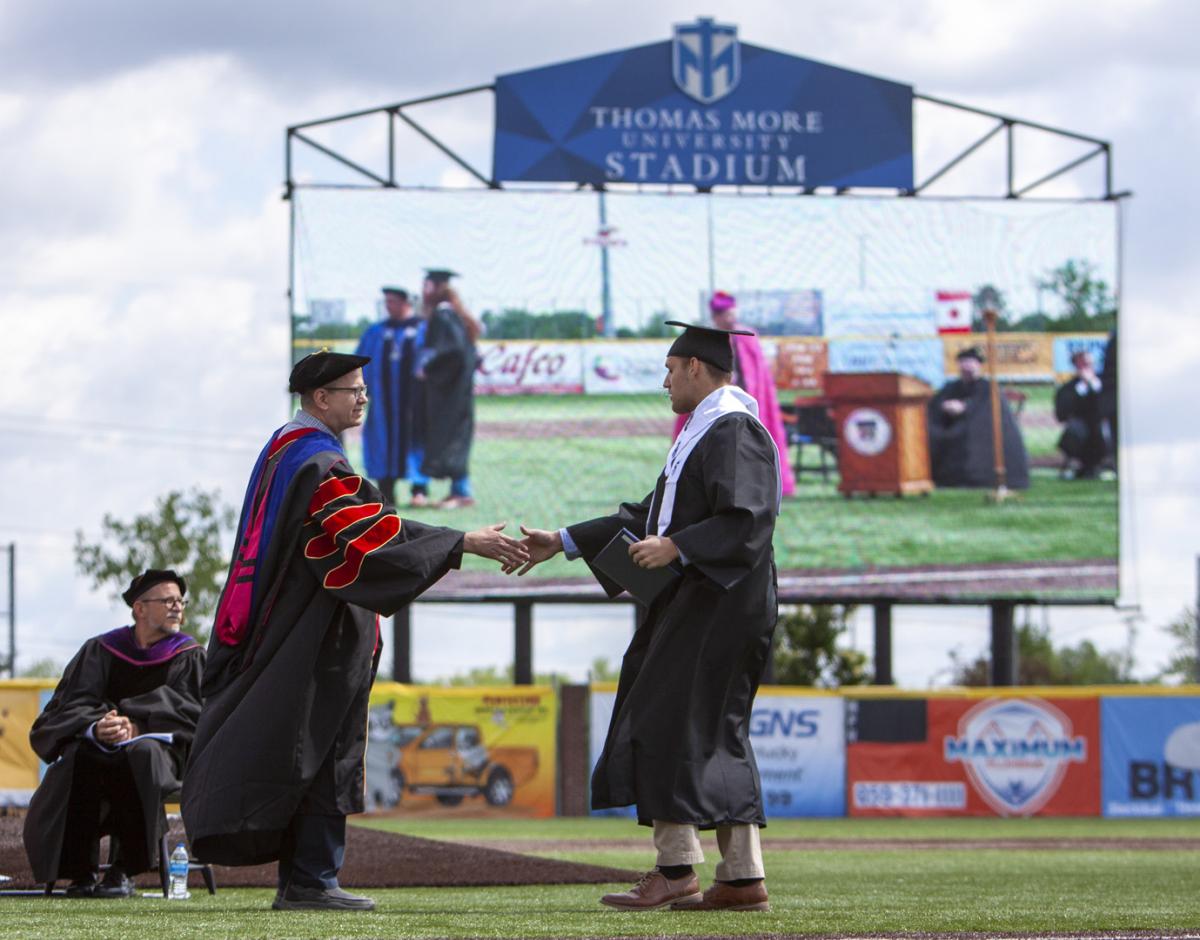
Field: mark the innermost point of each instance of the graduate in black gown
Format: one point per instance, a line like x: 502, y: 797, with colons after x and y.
x: 448, y: 362
x: 138, y: 682
x: 678, y: 745
x: 278, y: 759
x: 1077, y: 406
x: 960, y: 432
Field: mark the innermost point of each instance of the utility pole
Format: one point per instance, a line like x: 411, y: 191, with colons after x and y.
x: 12, y: 610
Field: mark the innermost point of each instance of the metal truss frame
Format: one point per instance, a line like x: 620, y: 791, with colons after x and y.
x: 296, y: 136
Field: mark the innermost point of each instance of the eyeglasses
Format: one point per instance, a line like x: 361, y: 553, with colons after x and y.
x: 360, y: 391
x: 169, y: 601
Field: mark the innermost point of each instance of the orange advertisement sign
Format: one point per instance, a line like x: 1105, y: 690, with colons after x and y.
x: 976, y: 757
x: 801, y: 364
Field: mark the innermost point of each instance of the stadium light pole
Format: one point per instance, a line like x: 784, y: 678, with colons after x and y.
x: 605, y: 290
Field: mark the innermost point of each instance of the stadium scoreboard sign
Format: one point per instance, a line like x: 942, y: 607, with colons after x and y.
x: 704, y: 109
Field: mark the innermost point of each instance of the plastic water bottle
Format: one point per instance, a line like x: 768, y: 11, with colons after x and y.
x: 177, y: 868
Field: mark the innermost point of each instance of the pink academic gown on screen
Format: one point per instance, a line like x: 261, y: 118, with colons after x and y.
x: 757, y: 380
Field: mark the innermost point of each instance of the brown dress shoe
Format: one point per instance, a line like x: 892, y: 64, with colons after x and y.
x: 654, y: 890
x: 725, y: 897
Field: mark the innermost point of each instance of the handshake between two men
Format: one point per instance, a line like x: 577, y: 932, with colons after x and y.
x: 538, y: 545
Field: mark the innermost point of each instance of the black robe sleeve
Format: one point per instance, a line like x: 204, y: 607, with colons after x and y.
x: 367, y: 555
x: 77, y: 702
x: 742, y: 487
x: 591, y: 536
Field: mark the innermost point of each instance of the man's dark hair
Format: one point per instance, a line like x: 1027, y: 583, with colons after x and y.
x: 717, y: 375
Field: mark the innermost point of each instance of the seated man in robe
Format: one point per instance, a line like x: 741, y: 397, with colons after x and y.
x: 116, y: 734
x: 961, y: 452
x: 1077, y: 406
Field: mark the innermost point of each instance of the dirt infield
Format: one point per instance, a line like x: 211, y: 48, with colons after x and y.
x: 374, y: 859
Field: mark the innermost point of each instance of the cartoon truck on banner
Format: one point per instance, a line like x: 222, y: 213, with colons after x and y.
x: 451, y: 762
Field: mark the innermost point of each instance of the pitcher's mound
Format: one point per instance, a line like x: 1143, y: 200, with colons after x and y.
x: 374, y: 859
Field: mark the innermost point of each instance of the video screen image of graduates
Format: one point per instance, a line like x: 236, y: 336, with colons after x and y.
x: 873, y: 365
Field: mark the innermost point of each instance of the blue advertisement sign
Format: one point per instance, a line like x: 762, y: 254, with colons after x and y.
x: 1066, y: 346
x: 1151, y: 756
x: 703, y: 108
x: 800, y: 747
x: 922, y: 358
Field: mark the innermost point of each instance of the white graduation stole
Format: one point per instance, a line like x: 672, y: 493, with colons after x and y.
x: 728, y: 399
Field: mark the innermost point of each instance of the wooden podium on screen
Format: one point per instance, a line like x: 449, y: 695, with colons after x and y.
x: 883, y: 441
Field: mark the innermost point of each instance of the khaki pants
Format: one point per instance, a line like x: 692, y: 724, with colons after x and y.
x: 741, y: 851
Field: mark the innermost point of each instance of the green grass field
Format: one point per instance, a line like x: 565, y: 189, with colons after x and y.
x: 843, y: 890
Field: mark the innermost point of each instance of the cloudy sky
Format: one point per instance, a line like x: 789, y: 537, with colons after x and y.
x: 143, y: 243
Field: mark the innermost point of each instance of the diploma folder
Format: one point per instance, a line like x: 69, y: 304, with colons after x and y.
x: 644, y: 584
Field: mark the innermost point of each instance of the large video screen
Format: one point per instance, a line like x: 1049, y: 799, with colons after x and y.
x: 870, y: 318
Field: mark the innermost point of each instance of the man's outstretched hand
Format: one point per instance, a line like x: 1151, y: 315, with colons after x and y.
x: 490, y: 542
x: 541, y: 545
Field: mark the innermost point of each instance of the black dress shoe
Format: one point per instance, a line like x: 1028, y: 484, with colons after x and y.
x: 82, y: 887
x: 116, y: 884
x: 299, y: 898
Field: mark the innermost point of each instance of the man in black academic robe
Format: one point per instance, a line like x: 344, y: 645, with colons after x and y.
x: 278, y: 759
x: 678, y: 744
x: 116, y: 734
x: 961, y: 452
x: 1077, y: 406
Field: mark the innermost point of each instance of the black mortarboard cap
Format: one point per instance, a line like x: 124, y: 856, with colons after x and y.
x: 439, y: 275
x: 706, y: 343
x: 399, y: 291
x: 321, y: 368
x: 970, y: 352
x: 148, y: 579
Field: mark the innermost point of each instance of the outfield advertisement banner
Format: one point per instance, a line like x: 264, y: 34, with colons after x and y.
x: 799, y: 745
x: 529, y: 368
x: 21, y: 701
x: 624, y: 366
x: 1151, y: 756
x: 974, y: 757
x: 435, y: 750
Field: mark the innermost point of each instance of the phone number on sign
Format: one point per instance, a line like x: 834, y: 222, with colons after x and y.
x: 910, y: 794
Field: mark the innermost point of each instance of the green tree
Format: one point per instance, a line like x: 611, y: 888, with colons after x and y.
x: 1087, y: 300
x: 979, y: 302
x: 1040, y: 662
x: 1181, y: 667
x: 41, y: 669
x: 495, y: 675
x: 184, y: 531
x: 512, y: 323
x: 806, y: 648
x: 603, y: 671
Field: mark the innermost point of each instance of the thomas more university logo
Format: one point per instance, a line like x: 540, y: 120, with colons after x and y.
x: 706, y: 60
